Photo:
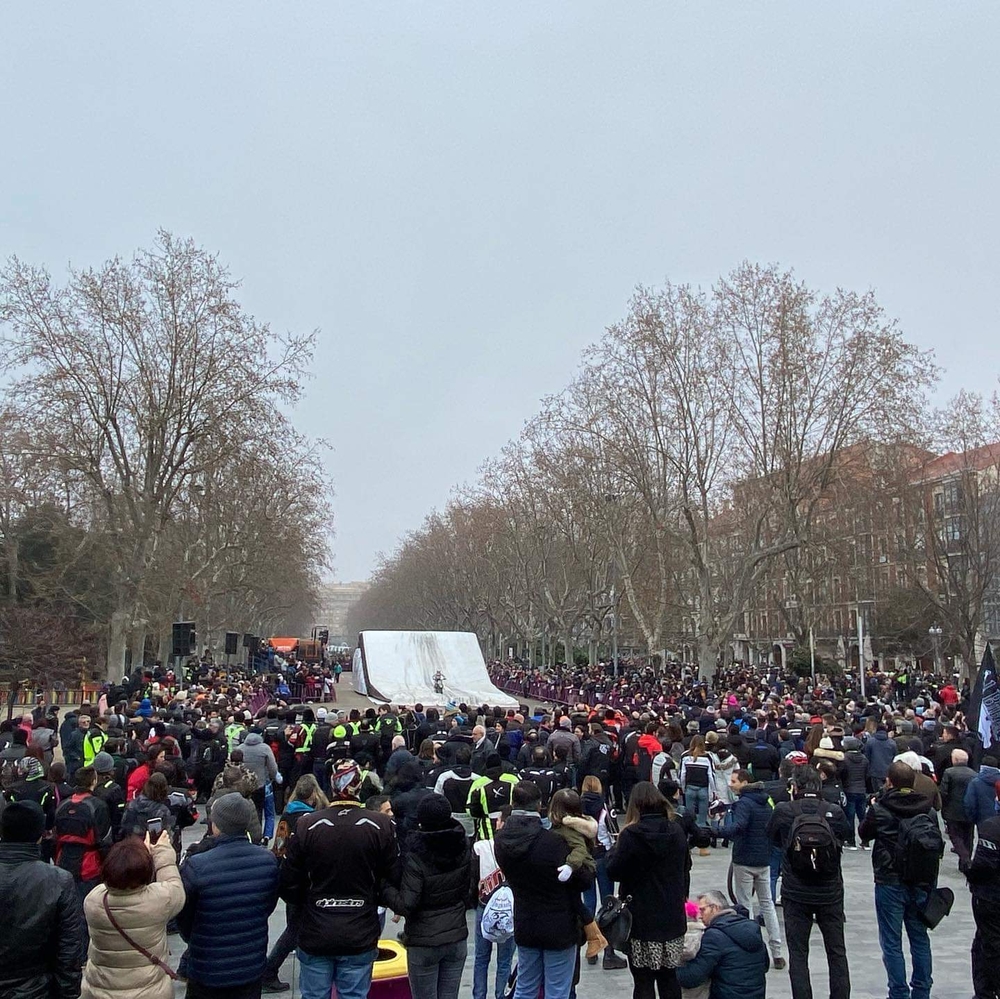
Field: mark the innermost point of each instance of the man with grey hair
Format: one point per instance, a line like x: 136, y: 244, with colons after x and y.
x: 732, y: 956
x: 954, y: 782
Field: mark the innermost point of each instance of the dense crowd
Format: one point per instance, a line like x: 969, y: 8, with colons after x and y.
x: 528, y: 818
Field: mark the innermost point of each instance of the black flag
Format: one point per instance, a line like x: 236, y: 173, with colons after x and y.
x: 984, y: 708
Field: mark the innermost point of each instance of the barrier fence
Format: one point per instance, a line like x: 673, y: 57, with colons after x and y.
x: 539, y: 690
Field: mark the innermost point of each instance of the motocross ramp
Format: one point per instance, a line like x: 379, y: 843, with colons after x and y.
x: 400, y: 666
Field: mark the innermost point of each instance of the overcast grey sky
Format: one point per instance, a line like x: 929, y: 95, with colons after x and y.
x: 461, y: 196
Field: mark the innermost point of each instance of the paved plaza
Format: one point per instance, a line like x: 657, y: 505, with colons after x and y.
x: 950, y: 942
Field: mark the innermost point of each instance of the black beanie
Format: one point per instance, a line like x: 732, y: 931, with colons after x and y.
x: 22, y: 822
x: 434, y: 813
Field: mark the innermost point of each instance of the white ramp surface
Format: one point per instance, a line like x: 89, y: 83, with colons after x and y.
x: 399, y: 666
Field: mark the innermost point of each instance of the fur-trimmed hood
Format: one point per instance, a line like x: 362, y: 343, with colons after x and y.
x: 583, y: 824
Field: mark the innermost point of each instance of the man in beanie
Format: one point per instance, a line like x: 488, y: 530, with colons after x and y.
x: 336, y: 866
x: 109, y: 790
x: 231, y: 891
x: 41, y: 946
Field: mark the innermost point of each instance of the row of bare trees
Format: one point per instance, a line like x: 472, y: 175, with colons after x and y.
x: 149, y: 470
x: 697, y: 456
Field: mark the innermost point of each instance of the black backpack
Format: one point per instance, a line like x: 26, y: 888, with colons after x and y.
x: 643, y: 763
x: 813, y: 850
x: 919, y: 848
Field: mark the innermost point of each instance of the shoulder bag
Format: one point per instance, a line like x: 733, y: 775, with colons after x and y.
x: 165, y: 968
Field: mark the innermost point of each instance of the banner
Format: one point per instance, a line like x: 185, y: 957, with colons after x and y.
x: 984, y: 709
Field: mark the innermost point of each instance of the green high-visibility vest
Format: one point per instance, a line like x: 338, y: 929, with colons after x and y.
x: 307, y: 742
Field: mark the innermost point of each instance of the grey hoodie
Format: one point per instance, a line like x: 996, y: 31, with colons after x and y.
x: 258, y: 757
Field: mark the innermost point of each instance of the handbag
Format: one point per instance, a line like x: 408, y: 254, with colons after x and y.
x: 165, y: 968
x: 938, y: 905
x: 614, y: 918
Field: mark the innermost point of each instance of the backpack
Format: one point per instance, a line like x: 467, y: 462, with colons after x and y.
x: 919, y: 848
x: 813, y: 851
x: 498, y: 915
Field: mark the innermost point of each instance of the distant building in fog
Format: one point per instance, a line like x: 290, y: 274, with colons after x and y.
x: 335, y: 600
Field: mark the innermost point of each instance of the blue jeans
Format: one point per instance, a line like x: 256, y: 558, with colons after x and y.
x: 776, y: 858
x: 268, y: 810
x: 603, y: 882
x: 895, y: 907
x: 696, y: 802
x: 553, y: 968
x: 857, y: 808
x: 481, y: 967
x: 352, y: 974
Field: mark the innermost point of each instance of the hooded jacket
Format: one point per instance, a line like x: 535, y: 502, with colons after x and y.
x: 732, y: 957
x: 434, y: 890
x: 335, y: 867
x: 545, y: 908
x: 981, y: 796
x: 746, y: 825
x: 984, y: 871
x: 881, y: 824
x: 258, y: 756
x: 880, y: 752
x: 649, y: 861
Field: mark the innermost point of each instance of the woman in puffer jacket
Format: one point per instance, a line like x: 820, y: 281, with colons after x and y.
x: 433, y: 895
x: 144, y: 891
x: 150, y: 804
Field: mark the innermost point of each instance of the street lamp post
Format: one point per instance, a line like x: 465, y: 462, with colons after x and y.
x: 935, y: 632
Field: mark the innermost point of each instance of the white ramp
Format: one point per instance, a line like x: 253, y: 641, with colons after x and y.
x: 399, y: 666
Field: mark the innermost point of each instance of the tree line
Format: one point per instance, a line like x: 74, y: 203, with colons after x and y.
x: 148, y: 469
x: 718, y: 453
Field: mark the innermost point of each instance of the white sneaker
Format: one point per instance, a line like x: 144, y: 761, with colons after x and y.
x: 848, y: 847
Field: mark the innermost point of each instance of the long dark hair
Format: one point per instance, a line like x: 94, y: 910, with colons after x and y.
x: 645, y: 799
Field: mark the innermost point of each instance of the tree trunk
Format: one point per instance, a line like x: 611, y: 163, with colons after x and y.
x: 166, y: 644
x: 706, y: 658
x: 118, y: 643
x: 13, y: 568
x: 138, y: 644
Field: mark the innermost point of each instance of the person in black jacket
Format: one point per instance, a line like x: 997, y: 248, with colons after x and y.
x: 41, y: 943
x: 855, y: 784
x: 336, y: 866
x: 546, y: 921
x: 648, y: 860
x: 898, y: 904
x: 433, y: 896
x: 984, y: 881
x: 813, y: 896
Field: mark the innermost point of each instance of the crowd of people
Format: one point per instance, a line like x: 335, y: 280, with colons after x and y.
x: 528, y: 819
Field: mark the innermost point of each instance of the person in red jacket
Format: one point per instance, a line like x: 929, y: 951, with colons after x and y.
x: 137, y: 779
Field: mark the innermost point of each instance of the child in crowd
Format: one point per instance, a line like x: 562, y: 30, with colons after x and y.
x: 580, y: 833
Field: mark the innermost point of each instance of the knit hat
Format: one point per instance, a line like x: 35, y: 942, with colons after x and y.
x: 826, y: 742
x: 145, y: 707
x: 233, y: 815
x: 103, y: 763
x: 434, y: 813
x: 346, y: 779
x: 321, y: 714
x: 797, y: 758
x: 30, y: 768
x: 22, y: 822
x: 851, y: 744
